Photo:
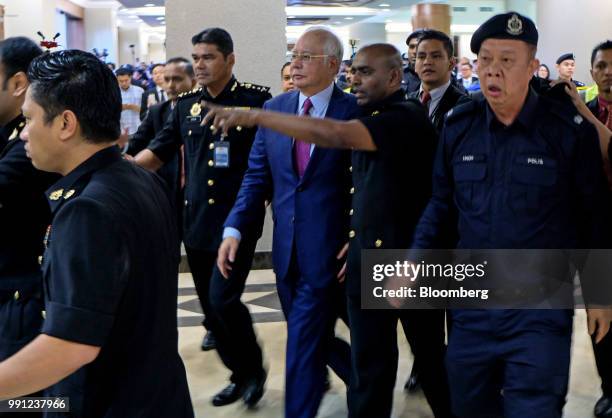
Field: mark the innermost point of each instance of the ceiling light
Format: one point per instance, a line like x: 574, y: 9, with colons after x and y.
x: 160, y: 18
x: 290, y: 17
x: 383, y: 5
x: 348, y: 18
x: 149, y: 5
x: 329, y: 11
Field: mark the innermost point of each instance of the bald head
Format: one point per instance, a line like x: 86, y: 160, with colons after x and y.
x: 387, y: 53
x: 377, y: 73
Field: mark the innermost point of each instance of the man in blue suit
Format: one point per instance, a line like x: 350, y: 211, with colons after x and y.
x: 310, y: 189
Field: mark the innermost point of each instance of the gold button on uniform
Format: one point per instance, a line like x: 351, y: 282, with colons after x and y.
x: 189, y: 133
x: 351, y: 169
x: 211, y: 182
x: 352, y: 190
x: 211, y: 201
x: 378, y: 243
x: 211, y: 163
x: 40, y: 259
x: 43, y: 314
x: 352, y: 234
x: 351, y: 212
x: 16, y: 295
x: 186, y: 202
x: 211, y: 146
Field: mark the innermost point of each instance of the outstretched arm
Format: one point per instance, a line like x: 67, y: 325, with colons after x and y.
x: 328, y: 133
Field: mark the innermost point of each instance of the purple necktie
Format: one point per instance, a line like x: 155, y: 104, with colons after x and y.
x: 301, y: 150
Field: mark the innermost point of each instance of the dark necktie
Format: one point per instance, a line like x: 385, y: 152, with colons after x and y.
x: 425, y: 99
x: 301, y: 149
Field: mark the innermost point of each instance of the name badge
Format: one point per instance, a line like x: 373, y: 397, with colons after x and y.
x: 222, y: 149
x: 194, y: 119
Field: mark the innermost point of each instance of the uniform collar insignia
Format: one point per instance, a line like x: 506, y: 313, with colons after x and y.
x: 56, y: 194
x: 515, y: 25
x: 14, y: 135
x: 72, y: 184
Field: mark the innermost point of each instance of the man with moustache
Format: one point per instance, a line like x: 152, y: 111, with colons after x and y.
x: 214, y: 168
x: 434, y: 64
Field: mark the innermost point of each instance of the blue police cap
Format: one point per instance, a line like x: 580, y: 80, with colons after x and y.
x: 568, y: 56
x: 509, y: 25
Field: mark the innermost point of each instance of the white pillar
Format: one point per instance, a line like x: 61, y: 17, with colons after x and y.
x: 367, y: 33
x: 127, y: 37
x: 26, y: 17
x: 572, y: 26
x: 257, y: 28
x: 101, y: 31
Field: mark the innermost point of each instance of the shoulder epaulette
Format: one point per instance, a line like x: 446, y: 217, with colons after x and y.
x: 566, y: 113
x: 460, y: 111
x: 194, y: 92
x: 255, y: 87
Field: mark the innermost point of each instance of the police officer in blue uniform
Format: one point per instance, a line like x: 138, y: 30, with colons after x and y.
x: 214, y: 168
x: 566, y: 65
x: 411, y: 80
x: 110, y: 267
x: 24, y: 211
x: 522, y: 171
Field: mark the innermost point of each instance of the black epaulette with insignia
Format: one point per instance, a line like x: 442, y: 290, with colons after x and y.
x: 255, y: 87
x: 460, y: 111
x: 565, y: 112
x: 195, y: 92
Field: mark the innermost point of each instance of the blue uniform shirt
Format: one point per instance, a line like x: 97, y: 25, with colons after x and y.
x: 537, y: 183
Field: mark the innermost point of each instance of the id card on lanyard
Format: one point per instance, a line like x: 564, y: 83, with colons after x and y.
x: 221, y: 158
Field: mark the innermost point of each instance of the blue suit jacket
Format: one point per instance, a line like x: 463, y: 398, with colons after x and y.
x: 311, y: 212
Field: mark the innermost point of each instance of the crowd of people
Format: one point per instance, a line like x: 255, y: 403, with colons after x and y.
x: 109, y: 178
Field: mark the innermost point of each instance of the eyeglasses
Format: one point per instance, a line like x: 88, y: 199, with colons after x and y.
x: 305, y: 57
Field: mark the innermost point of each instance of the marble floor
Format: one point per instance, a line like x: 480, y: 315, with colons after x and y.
x: 207, y: 374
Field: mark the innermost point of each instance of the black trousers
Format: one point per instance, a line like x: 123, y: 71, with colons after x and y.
x: 225, y: 315
x: 375, y: 355
x: 603, y: 359
x: 20, y: 323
